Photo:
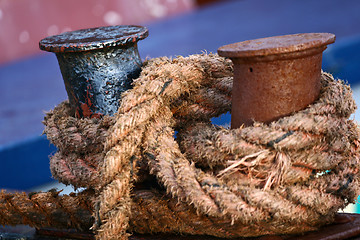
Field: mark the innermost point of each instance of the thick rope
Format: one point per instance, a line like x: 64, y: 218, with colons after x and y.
x: 286, y: 177
x: 48, y: 209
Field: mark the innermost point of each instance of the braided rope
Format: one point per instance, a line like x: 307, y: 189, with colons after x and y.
x: 286, y: 177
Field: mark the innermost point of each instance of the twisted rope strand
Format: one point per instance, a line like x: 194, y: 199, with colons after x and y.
x: 47, y: 209
x: 286, y: 177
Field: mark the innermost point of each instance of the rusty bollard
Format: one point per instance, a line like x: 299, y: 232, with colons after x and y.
x: 275, y: 76
x: 97, y: 65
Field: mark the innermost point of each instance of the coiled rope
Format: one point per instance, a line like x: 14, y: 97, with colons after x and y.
x: 286, y: 177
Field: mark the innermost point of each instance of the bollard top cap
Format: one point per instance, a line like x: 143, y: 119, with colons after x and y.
x: 276, y: 45
x: 93, y: 38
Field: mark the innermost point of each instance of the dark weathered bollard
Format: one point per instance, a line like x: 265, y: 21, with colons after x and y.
x: 275, y: 76
x: 97, y: 65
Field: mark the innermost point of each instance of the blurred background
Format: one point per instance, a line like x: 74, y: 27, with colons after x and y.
x: 31, y: 82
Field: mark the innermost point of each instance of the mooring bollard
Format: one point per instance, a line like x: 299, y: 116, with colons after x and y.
x: 275, y: 76
x: 97, y: 65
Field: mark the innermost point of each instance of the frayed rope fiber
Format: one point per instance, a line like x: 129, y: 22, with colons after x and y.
x: 286, y: 177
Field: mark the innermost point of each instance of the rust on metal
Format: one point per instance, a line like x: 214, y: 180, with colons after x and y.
x: 94, y: 38
x: 275, y: 76
x: 97, y: 65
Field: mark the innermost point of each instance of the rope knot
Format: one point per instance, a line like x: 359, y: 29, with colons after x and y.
x: 289, y: 176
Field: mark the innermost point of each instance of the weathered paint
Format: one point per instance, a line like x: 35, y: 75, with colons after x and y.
x: 94, y: 38
x: 97, y: 65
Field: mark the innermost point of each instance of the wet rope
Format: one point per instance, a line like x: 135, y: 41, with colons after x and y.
x: 285, y: 177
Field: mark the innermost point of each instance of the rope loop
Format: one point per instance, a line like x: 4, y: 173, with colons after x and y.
x: 286, y: 177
